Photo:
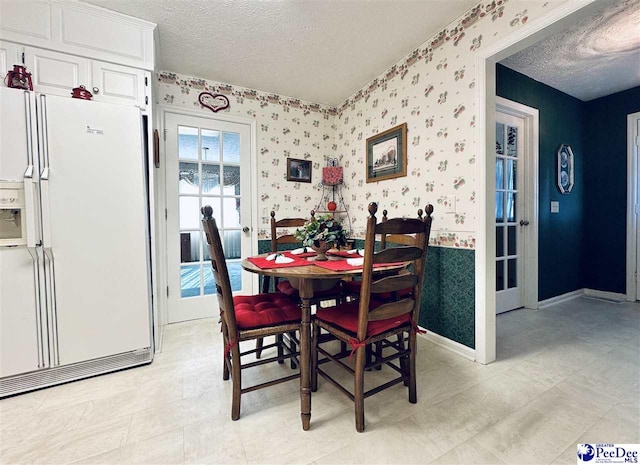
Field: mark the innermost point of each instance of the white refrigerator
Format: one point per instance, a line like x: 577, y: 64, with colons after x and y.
x: 75, y: 279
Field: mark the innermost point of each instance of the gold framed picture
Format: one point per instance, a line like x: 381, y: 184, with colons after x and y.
x: 386, y: 155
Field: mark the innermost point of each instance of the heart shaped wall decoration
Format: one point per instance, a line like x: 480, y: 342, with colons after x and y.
x: 214, y: 102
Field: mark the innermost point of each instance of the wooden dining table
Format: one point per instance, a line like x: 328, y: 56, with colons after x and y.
x: 309, y: 280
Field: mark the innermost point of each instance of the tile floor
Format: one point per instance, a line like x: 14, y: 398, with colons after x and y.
x: 564, y: 375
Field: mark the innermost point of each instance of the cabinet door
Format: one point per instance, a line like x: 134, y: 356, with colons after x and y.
x: 117, y: 84
x: 56, y: 73
x: 8, y: 58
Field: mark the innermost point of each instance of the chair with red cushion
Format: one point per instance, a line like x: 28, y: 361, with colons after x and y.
x: 370, y: 320
x: 246, y: 318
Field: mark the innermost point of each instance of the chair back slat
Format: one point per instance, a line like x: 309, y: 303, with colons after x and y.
x: 392, y: 309
x: 412, y: 235
x: 397, y: 254
x: 220, y: 272
x: 289, y: 222
x: 286, y: 239
x: 393, y: 283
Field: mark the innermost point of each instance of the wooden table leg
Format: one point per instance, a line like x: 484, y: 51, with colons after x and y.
x: 306, y: 292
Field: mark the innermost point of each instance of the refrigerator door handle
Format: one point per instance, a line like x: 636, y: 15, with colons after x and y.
x: 30, y: 210
x: 54, y: 348
x: 46, y: 213
x: 39, y: 324
x: 28, y: 122
x: 45, y: 132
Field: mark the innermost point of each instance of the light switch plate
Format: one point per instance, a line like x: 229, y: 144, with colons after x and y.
x: 555, y: 206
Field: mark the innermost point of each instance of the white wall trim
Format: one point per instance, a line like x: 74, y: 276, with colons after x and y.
x: 453, y: 346
x: 530, y: 116
x: 485, y: 60
x: 632, y: 195
x: 615, y: 296
x: 560, y: 298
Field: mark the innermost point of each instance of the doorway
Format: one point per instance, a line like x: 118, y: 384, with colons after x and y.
x: 516, y: 201
x: 633, y: 209
x: 208, y: 163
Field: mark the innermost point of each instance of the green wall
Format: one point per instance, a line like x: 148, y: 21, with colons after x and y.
x: 561, y: 242
x: 605, y: 121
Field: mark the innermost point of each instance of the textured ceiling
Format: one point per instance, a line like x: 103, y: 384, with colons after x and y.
x: 596, y: 57
x: 321, y: 51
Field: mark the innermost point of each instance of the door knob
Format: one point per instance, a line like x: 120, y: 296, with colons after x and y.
x: 96, y: 90
x: 245, y: 229
x: 524, y: 223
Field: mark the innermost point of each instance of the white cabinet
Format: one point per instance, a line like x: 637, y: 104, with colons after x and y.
x: 58, y: 73
x: 119, y: 84
x: 8, y: 58
x: 79, y: 29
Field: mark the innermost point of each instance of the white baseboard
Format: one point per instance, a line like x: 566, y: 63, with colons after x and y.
x: 560, y: 298
x: 616, y: 297
x: 605, y: 295
x: 453, y: 346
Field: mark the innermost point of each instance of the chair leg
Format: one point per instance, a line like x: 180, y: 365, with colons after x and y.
x: 379, y: 354
x: 403, y: 360
x: 314, y: 357
x: 236, y: 378
x: 280, y: 343
x: 259, y: 343
x: 358, y: 391
x: 412, y: 368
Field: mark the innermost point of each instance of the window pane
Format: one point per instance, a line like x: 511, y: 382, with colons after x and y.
x: 190, y: 281
x: 499, y: 139
x: 499, y: 173
x: 512, y: 278
x: 189, y: 213
x: 231, y: 180
x: 499, y: 207
x: 188, y: 178
x: 512, y: 246
x: 189, y: 246
x: 500, y: 275
x: 232, y: 244
x: 512, y: 141
x: 511, y: 206
x: 211, y: 179
x: 231, y: 208
x: 214, y: 203
x: 209, y: 282
x: 511, y: 175
x: 210, y: 145
x: 235, y: 274
x: 187, y: 143
x: 231, y: 147
x: 499, y: 241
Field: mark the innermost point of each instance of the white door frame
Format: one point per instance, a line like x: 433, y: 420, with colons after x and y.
x: 633, y: 140
x: 531, y: 189
x: 485, y: 61
x: 162, y: 199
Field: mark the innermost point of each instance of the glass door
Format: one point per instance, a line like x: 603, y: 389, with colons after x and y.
x: 509, y: 206
x: 207, y: 164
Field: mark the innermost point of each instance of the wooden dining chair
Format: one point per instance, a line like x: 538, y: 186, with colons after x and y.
x: 282, y: 238
x: 246, y: 318
x: 372, y: 319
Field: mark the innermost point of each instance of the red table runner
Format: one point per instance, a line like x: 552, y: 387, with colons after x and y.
x: 262, y: 262
x: 342, y: 265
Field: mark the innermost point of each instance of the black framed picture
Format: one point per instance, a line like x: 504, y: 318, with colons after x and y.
x: 387, y: 154
x: 298, y: 170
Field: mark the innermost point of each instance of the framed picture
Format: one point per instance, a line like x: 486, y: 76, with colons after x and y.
x: 298, y: 170
x: 387, y: 154
x: 565, y: 168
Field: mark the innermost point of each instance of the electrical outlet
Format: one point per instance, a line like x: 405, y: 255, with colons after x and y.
x: 555, y: 206
x: 450, y: 204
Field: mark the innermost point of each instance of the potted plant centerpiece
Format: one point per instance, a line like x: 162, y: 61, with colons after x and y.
x: 321, y: 234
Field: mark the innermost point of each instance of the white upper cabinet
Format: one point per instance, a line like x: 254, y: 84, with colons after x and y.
x: 79, y: 29
x: 119, y: 84
x: 56, y: 73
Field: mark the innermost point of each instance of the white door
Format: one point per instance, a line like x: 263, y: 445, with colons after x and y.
x: 510, y: 201
x: 208, y: 163
x: 95, y: 232
x: 636, y: 139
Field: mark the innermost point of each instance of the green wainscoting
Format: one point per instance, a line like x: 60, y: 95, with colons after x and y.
x: 448, y: 300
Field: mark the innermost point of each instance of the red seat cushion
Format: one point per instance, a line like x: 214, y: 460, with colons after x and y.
x: 353, y: 287
x: 255, y: 311
x: 286, y: 288
x: 346, y: 316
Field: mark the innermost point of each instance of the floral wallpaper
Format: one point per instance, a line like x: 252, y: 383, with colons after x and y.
x: 287, y: 128
x: 432, y: 89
